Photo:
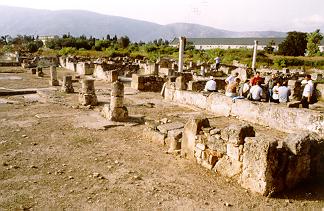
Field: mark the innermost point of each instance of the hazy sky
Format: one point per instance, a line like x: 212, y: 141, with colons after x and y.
x: 235, y: 15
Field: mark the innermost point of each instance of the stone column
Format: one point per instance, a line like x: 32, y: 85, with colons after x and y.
x: 67, y: 86
x: 116, y: 111
x: 53, y: 73
x: 254, y: 54
x: 39, y: 72
x: 181, y: 51
x: 87, y: 95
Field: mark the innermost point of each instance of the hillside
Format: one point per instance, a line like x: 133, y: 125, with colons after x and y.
x: 15, y: 20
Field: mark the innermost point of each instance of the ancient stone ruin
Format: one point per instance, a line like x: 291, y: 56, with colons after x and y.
x: 53, y: 73
x: 87, y: 95
x: 67, y: 85
x: 116, y: 111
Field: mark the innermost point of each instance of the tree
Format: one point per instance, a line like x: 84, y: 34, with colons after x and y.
x: 123, y: 42
x: 294, y: 45
x: 313, y: 41
x: 269, y: 48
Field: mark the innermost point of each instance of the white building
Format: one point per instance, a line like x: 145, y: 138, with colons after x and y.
x: 234, y: 43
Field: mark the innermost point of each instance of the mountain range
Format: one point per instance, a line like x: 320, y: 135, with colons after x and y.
x: 25, y: 21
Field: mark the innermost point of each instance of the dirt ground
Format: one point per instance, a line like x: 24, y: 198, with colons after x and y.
x: 48, y: 160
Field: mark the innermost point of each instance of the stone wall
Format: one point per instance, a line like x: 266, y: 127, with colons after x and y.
x: 148, y: 83
x: 84, y: 68
x: 261, y: 164
x: 268, y: 114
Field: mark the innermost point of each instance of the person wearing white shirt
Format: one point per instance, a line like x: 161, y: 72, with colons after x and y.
x: 275, y: 93
x: 231, y: 78
x: 307, y: 92
x: 217, y: 61
x: 256, y: 92
x: 211, y: 85
x: 284, y: 93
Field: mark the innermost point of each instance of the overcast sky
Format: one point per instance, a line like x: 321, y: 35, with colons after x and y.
x: 235, y: 15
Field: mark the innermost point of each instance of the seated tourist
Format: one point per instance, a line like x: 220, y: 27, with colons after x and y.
x: 255, y: 79
x: 231, y: 79
x: 275, y: 93
x: 211, y: 85
x: 244, y: 88
x: 284, y: 93
x: 256, y: 92
x: 232, y: 88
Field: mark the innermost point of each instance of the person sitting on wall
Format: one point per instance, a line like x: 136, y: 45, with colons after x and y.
x: 255, y: 79
x: 284, y: 93
x: 231, y: 79
x: 244, y: 88
x: 232, y: 88
x: 211, y: 85
x: 275, y: 93
x: 256, y: 92
x: 307, y: 92
x: 271, y: 83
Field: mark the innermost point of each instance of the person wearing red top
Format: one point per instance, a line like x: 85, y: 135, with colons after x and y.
x: 255, y: 79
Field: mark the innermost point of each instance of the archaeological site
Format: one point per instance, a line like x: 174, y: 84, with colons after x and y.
x: 129, y: 133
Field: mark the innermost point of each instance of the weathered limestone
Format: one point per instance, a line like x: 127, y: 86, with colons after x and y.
x: 53, y: 81
x: 182, y: 41
x: 147, y: 83
x: 87, y: 95
x: 67, y: 84
x: 260, y: 162
x: 116, y: 111
x: 191, y: 129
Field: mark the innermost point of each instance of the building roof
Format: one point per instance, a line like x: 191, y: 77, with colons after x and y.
x: 230, y: 41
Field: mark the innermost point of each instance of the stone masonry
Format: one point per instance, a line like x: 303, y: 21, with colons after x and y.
x: 87, y: 95
x: 67, y: 86
x: 53, y: 73
x: 116, y: 111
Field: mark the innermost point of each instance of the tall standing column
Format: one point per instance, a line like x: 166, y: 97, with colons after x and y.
x: 116, y: 111
x: 182, y: 41
x: 53, y: 74
x: 254, y: 54
x: 87, y: 95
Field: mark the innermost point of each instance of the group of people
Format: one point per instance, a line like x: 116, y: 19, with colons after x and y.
x: 278, y: 90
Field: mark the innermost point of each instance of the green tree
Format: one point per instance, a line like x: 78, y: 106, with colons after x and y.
x: 294, y: 45
x: 123, y: 42
x: 313, y: 41
x: 269, y: 48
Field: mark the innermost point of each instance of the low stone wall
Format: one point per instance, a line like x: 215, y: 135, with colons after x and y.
x: 84, y: 68
x: 320, y: 89
x: 148, y: 83
x: 261, y: 164
x: 275, y: 116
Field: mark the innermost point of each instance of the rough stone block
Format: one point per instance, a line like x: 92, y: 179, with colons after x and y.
x: 299, y: 161
x: 180, y: 83
x: 260, y: 166
x: 164, y: 128
x: 201, y: 146
x: 236, y: 134
x: 228, y: 167
x: 117, y: 89
x: 234, y: 152
x: 88, y: 99
x: 116, y: 102
x: 118, y: 114
x: 191, y: 129
x: 217, y: 144
x: 155, y: 136
x: 177, y: 134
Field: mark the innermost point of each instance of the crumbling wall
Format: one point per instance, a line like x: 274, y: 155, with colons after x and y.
x: 148, y: 83
x: 272, y: 115
x: 261, y: 164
